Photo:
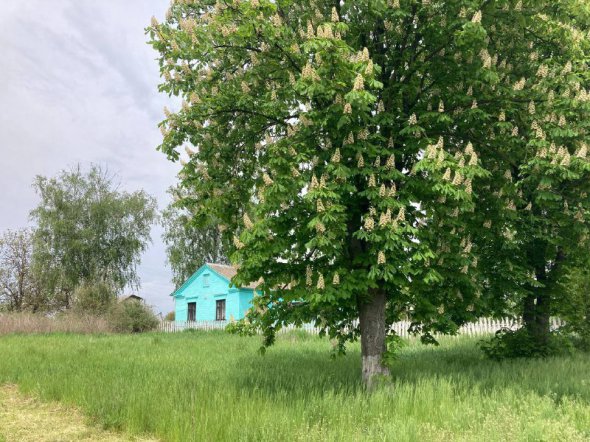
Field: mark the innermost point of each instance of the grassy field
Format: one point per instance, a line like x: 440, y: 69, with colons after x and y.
x: 213, y: 386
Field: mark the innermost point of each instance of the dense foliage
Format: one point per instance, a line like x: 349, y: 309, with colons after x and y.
x: 188, y: 245
x: 19, y: 286
x: 574, y: 302
x: 372, y: 159
x: 88, y: 231
x: 131, y: 316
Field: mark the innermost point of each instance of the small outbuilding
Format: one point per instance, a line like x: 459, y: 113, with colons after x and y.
x: 132, y: 298
x: 208, y: 295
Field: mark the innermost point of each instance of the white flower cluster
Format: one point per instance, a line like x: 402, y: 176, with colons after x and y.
x: 325, y: 31
x: 519, y: 85
x: 476, y: 17
x: 267, y: 179
x: 336, y: 156
x: 309, y: 72
x: 247, y: 221
x: 239, y: 244
x: 320, y: 284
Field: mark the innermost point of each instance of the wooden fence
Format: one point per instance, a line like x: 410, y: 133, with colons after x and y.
x: 484, y: 326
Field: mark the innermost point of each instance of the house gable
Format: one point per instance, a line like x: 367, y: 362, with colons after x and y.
x: 199, y: 296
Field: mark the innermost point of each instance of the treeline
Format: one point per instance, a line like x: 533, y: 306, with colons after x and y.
x: 84, y: 248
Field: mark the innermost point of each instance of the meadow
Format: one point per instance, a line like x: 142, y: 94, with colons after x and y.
x: 211, y: 386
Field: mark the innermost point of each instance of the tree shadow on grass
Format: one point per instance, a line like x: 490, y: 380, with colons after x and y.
x: 299, y: 372
x: 460, y: 361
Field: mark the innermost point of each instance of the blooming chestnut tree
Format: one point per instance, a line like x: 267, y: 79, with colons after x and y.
x: 348, y: 150
x: 534, y: 205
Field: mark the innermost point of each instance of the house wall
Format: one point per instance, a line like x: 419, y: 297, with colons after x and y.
x: 246, y: 296
x: 205, y: 294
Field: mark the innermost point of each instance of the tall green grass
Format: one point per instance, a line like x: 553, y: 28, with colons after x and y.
x: 213, y: 386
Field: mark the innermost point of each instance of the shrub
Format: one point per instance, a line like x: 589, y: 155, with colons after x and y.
x: 93, y: 298
x: 507, y: 344
x: 132, y: 317
x: 170, y: 316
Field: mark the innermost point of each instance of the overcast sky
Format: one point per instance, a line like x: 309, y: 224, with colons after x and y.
x: 78, y: 84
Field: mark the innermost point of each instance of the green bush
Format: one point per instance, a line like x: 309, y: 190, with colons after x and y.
x: 508, y: 344
x: 132, y: 317
x: 170, y: 316
x: 93, y: 298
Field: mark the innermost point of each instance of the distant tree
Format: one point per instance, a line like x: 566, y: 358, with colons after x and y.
x: 355, y: 150
x: 188, y: 245
x: 93, y: 298
x: 19, y: 289
x: 88, y: 231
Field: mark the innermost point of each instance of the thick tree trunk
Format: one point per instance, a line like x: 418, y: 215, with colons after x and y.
x: 537, y: 312
x: 373, y: 333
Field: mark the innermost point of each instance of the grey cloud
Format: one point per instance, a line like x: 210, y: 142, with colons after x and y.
x: 78, y: 84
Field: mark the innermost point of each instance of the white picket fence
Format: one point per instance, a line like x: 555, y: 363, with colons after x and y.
x: 484, y: 326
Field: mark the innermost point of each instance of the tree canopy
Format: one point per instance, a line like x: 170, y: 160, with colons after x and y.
x: 88, y: 231
x: 368, y: 158
x: 19, y: 288
x: 188, y: 246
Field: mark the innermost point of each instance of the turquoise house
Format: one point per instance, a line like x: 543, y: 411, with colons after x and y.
x: 209, y: 296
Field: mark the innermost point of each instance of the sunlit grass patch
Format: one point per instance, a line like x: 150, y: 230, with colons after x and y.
x: 26, y: 419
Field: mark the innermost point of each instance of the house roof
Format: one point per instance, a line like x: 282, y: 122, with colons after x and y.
x: 131, y: 297
x: 229, y: 272
x: 223, y: 270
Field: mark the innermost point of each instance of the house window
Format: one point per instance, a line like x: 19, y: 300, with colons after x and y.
x: 206, y: 280
x: 220, y: 310
x: 192, y: 311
